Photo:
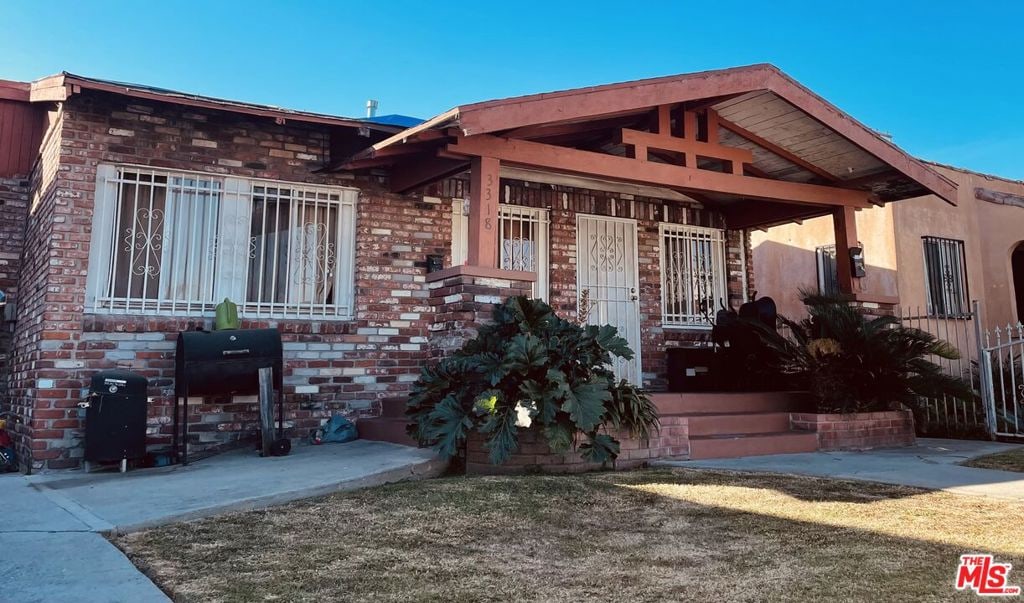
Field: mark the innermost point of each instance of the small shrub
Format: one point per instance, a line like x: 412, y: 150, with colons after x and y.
x: 531, y: 367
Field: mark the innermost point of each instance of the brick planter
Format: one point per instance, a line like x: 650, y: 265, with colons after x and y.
x: 858, y: 431
x: 535, y: 456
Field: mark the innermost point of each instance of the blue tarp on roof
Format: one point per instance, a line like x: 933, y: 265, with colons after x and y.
x: 402, y: 121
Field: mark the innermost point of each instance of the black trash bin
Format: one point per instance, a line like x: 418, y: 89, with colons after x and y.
x: 115, y: 418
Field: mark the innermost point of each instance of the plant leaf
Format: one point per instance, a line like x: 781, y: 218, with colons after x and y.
x: 504, y: 440
x: 526, y: 352
x: 608, y: 338
x: 599, y: 448
x: 559, y: 438
x: 585, y: 402
x: 446, y: 426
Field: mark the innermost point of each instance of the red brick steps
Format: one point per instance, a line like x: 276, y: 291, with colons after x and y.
x: 752, y: 444
x: 734, y: 424
x: 739, y: 423
x: 390, y: 426
x: 727, y: 402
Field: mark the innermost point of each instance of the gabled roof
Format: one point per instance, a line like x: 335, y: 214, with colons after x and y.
x: 63, y: 85
x: 794, y: 134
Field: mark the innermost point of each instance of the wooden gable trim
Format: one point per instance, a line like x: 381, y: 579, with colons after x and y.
x: 602, y: 101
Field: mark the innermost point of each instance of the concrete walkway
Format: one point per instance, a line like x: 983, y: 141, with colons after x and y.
x: 932, y: 463
x: 51, y: 548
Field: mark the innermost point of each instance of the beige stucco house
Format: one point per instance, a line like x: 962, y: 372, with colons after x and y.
x: 926, y: 256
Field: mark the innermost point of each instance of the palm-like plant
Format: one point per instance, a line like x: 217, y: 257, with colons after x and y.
x: 851, y: 362
x: 531, y: 363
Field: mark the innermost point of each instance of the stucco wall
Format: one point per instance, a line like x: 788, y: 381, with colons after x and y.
x: 784, y: 257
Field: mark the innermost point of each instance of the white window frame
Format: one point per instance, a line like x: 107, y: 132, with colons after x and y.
x: 506, y: 212
x: 675, y: 237
x: 225, y: 256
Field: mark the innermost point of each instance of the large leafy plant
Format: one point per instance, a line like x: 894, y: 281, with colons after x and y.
x: 530, y: 366
x: 853, y: 362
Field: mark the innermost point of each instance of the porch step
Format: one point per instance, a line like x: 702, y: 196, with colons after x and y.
x: 385, y: 429
x: 727, y: 402
x: 727, y: 446
x: 739, y: 423
x: 393, y: 407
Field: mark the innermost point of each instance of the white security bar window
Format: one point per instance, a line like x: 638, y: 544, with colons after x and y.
x: 946, y: 273
x: 178, y: 243
x: 693, y: 281
x: 522, y: 241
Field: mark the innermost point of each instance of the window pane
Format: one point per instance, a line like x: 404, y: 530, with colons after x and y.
x: 295, y: 243
x: 140, y: 235
x: 693, y: 274
x: 946, y: 275
x: 180, y: 242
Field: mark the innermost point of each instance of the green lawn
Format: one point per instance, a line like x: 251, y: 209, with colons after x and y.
x: 1012, y: 460
x: 654, y: 535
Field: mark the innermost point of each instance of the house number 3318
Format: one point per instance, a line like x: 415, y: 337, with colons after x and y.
x: 488, y: 199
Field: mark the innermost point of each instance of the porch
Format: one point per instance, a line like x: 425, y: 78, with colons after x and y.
x: 630, y: 204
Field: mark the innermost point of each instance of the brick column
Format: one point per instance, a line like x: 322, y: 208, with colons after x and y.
x: 463, y: 298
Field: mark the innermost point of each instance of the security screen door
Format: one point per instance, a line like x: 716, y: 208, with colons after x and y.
x: 607, y: 267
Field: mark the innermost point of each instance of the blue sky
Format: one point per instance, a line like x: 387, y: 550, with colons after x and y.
x: 946, y: 79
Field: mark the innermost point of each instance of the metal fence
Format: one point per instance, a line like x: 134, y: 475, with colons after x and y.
x: 963, y: 332
x: 1001, y: 372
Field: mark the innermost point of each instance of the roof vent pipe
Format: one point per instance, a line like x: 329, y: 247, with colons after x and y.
x: 371, y: 108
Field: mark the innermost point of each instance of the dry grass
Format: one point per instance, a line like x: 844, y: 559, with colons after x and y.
x: 655, y: 535
x: 1012, y: 460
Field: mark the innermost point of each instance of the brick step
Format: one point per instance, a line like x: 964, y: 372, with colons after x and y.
x: 745, y: 423
x: 728, y: 402
x: 393, y: 407
x: 385, y: 429
x: 737, y: 445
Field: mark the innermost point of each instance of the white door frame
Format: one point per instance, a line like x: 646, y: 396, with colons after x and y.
x: 635, y: 342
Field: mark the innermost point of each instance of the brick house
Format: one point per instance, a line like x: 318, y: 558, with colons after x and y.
x: 129, y: 212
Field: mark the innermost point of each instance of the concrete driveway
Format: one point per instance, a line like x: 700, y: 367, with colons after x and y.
x: 932, y: 463
x: 46, y: 554
x: 51, y: 544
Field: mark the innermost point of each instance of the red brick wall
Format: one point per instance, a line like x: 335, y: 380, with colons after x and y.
x: 858, y: 431
x: 330, y: 366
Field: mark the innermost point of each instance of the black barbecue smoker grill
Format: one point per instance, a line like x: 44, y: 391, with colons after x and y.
x: 212, y: 363
x: 115, y: 418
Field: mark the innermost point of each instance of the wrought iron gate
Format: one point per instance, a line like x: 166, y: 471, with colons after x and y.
x: 1001, y: 368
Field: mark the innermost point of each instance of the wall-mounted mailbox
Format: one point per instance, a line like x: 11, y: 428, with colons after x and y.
x: 857, y: 262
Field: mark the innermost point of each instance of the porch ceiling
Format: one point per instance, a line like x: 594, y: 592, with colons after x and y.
x: 755, y: 116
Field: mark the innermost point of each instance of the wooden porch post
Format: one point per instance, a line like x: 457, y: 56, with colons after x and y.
x: 844, y: 221
x: 483, y: 212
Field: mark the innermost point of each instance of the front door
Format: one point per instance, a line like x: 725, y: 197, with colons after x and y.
x: 607, y: 267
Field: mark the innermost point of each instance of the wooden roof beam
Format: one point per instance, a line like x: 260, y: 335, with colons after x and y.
x: 534, y: 154
x: 771, y: 147
x: 409, y: 176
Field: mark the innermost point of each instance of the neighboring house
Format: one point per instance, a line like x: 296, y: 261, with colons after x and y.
x: 930, y: 258
x: 142, y: 208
